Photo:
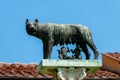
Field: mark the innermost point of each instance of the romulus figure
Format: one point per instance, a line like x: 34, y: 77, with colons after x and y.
x: 53, y: 34
x: 63, y: 53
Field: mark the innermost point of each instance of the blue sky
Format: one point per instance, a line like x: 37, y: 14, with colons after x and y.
x: 101, y: 16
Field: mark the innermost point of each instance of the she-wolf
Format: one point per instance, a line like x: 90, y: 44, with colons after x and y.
x: 52, y: 34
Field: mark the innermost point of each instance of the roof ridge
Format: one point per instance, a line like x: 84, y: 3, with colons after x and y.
x: 112, y: 55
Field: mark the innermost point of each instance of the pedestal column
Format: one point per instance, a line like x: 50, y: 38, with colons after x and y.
x: 68, y: 69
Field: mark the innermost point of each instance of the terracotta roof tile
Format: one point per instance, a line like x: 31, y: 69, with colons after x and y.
x: 115, y: 55
x: 20, y: 70
x: 29, y: 70
x: 103, y: 73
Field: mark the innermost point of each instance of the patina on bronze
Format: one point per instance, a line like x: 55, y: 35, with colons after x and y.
x: 53, y: 34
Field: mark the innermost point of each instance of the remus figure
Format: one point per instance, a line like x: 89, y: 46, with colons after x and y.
x: 76, y: 52
x: 63, y: 53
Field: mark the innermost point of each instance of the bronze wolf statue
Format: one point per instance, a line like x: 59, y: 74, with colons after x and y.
x: 53, y: 34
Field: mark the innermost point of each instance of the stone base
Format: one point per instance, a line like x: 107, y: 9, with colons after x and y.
x: 71, y: 73
x: 68, y: 69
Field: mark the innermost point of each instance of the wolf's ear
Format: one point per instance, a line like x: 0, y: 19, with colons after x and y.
x: 36, y: 20
x: 27, y: 21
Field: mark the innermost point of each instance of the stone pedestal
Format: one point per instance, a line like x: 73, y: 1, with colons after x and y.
x: 68, y: 69
x: 71, y: 73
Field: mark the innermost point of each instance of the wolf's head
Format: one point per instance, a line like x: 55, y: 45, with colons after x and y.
x: 31, y: 27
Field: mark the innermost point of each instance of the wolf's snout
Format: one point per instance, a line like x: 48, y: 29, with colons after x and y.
x: 30, y: 30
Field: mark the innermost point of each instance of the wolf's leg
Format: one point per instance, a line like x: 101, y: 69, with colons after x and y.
x: 47, y: 49
x: 93, y: 47
x: 85, y: 50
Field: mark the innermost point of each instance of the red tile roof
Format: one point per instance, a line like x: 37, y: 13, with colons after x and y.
x: 103, y: 73
x: 29, y: 70
x: 20, y: 70
x: 115, y: 55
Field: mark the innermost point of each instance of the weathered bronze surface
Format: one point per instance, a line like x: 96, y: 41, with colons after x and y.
x: 53, y: 34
